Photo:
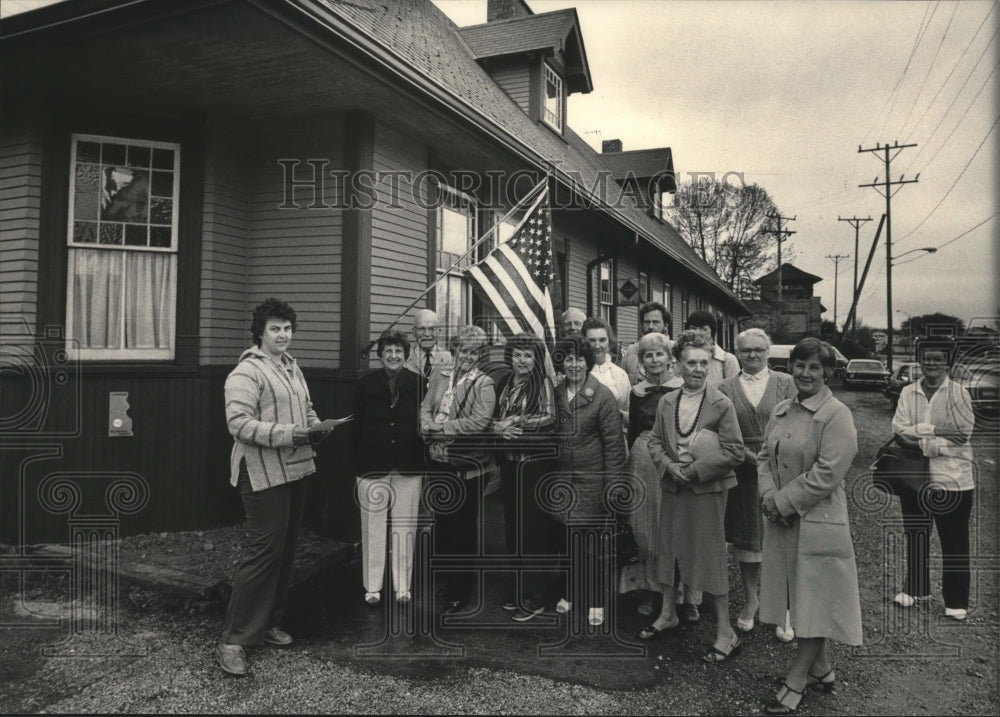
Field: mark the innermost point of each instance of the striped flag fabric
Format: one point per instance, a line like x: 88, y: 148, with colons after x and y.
x: 515, y: 277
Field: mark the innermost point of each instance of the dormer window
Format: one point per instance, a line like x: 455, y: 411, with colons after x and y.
x: 553, y: 104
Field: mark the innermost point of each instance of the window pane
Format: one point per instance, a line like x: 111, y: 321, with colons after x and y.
x: 160, y: 237
x: 163, y: 184
x: 163, y: 158
x: 85, y: 205
x: 111, y: 233
x: 88, y: 152
x: 139, y: 156
x: 125, y: 195
x: 454, y: 231
x: 113, y: 154
x: 85, y: 232
x: 135, y: 235
x: 161, y: 210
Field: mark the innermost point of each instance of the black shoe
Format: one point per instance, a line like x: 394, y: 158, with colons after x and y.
x: 452, y: 607
x: 822, y: 684
x: 509, y: 605
x: 652, y: 632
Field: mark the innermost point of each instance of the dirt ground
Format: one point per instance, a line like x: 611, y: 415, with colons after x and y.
x: 159, y: 660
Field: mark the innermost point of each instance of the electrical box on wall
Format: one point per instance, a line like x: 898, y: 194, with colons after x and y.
x: 119, y: 422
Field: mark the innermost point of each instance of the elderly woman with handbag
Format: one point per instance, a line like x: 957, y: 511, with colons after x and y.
x: 808, y: 566
x: 695, y: 443
x: 934, y: 416
x: 455, y: 418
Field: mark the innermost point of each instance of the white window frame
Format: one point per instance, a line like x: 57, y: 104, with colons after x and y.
x: 73, y: 347
x: 452, y: 200
x: 606, y: 288
x: 552, y: 107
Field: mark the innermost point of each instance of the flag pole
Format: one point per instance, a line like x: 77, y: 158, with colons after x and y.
x: 530, y: 196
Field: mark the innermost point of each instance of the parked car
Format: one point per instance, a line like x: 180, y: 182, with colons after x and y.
x: 777, y: 359
x: 865, y: 372
x: 903, y: 375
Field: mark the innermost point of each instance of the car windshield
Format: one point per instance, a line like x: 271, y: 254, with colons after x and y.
x: 865, y: 366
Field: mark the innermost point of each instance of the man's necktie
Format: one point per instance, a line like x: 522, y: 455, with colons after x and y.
x: 427, y: 364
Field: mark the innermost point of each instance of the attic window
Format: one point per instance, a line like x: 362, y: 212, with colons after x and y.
x: 553, y: 104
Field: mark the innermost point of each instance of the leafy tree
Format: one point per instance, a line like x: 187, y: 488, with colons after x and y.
x: 919, y: 327
x: 726, y: 224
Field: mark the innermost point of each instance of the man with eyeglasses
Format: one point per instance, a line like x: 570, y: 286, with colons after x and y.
x: 755, y: 391
x: 426, y: 356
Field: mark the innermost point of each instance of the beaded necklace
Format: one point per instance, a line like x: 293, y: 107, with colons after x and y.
x: 677, y: 416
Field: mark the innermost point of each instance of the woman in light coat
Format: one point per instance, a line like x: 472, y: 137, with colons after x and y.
x: 808, y: 564
x: 695, y: 444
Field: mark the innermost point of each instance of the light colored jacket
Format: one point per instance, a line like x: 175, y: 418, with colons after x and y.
x: 949, y: 410
x: 810, y: 567
x: 264, y: 404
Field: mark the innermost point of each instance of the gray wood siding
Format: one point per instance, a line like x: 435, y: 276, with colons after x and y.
x: 295, y: 253
x: 224, y: 322
x: 400, y: 241
x: 514, y: 79
x: 20, y: 202
x: 581, y: 253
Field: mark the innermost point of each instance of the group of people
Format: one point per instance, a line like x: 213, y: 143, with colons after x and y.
x: 713, y: 449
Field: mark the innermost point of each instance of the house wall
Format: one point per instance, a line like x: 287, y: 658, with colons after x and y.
x: 514, y: 77
x: 224, y: 326
x: 294, y: 246
x: 20, y: 209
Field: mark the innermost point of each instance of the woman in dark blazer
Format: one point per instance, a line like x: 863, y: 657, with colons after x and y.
x: 591, y: 451
x: 696, y: 444
x: 389, y: 465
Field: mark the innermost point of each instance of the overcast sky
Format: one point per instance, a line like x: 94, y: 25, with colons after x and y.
x: 785, y: 92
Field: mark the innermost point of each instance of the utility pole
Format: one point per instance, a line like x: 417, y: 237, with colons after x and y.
x: 781, y: 235
x: 836, y: 276
x: 885, y: 188
x: 855, y: 222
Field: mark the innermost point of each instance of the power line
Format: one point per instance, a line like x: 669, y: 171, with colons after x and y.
x: 930, y: 67
x: 953, y: 239
x: 952, y: 72
x: 953, y: 184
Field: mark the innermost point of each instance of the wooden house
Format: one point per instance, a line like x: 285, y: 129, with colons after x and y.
x: 167, y: 165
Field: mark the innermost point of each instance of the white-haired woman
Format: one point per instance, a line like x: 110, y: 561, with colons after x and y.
x: 656, y: 362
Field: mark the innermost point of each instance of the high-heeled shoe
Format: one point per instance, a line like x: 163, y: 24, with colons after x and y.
x: 777, y: 706
x: 822, y: 684
x: 652, y: 632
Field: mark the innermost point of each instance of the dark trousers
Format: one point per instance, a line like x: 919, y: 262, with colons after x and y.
x: 529, y: 530
x: 260, y: 588
x: 950, y: 512
x: 456, y: 528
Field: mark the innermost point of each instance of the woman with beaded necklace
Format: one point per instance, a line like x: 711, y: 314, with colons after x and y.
x: 695, y: 443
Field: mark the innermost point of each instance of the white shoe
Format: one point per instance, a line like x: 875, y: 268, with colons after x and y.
x: 596, y: 616
x: 904, y: 600
x: 786, y: 633
x: 563, y: 606
x: 955, y: 613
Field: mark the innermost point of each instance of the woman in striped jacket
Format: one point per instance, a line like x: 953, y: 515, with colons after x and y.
x: 268, y: 411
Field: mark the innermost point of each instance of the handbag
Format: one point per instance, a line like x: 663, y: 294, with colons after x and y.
x: 897, y: 468
x: 626, y: 547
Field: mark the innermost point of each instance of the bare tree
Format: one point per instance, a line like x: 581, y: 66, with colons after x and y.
x: 725, y: 223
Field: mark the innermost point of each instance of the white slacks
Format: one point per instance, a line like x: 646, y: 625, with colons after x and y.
x: 380, y: 497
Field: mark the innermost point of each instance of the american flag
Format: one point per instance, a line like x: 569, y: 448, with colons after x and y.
x: 515, y: 277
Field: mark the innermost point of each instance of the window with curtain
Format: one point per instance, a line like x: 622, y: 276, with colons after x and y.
x: 121, y: 292
x: 456, y: 231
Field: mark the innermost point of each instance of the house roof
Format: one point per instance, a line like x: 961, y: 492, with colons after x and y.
x: 548, y: 32
x: 642, y: 164
x: 789, y: 272
x: 415, y: 43
x: 433, y: 46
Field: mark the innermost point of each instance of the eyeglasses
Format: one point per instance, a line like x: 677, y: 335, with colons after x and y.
x: 752, y: 351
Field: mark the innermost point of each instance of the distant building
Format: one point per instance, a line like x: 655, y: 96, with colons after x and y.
x: 799, y: 312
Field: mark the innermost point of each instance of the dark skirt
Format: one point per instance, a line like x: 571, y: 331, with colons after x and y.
x: 744, y: 522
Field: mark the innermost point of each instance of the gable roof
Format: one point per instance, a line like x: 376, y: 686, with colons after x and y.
x: 788, y: 273
x: 642, y: 164
x: 432, y: 46
x: 548, y: 32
